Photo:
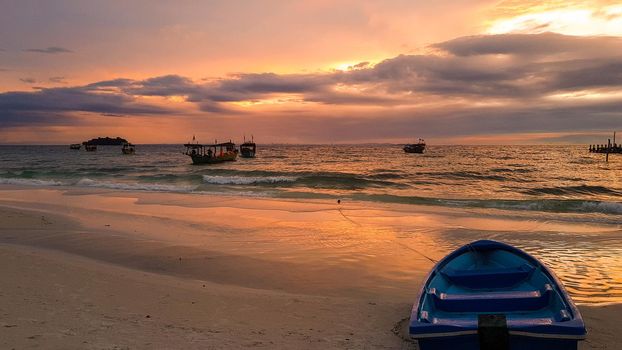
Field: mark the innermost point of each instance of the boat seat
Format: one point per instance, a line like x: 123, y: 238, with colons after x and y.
x: 488, y: 278
x: 492, y: 301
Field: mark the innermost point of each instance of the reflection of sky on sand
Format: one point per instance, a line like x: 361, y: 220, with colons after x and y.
x: 380, y: 248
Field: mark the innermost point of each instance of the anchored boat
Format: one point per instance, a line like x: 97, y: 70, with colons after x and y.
x: 75, y: 146
x: 128, y: 148
x: 490, y: 295
x: 418, y: 147
x: 211, y: 154
x: 248, y: 148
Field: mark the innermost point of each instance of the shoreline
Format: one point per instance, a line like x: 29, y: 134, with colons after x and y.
x: 259, y: 255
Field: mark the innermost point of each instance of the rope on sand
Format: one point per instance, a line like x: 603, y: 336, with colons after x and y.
x: 402, y: 244
x: 347, y: 218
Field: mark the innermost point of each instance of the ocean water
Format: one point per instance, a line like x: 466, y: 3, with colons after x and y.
x: 539, y: 184
x: 526, y: 178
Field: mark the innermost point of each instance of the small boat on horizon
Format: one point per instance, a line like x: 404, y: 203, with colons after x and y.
x: 248, y: 148
x: 75, y: 146
x: 418, y: 147
x: 490, y: 295
x: 90, y: 148
x: 211, y: 154
x: 128, y: 148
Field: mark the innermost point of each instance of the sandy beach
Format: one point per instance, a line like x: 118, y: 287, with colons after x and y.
x: 98, y: 269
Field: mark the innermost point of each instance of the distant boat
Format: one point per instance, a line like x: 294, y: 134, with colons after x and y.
x: 211, y: 154
x: 128, y: 148
x: 490, y: 295
x: 248, y: 148
x: 75, y: 146
x: 418, y: 147
x: 90, y: 148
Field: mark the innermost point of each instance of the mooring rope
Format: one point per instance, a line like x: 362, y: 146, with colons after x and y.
x: 402, y: 244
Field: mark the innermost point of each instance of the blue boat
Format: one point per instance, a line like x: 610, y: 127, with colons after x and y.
x: 490, y: 295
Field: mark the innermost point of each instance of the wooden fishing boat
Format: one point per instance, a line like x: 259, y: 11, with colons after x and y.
x: 248, y: 148
x: 128, y: 148
x: 418, y: 147
x: 211, y: 154
x: 490, y: 295
x: 75, y: 146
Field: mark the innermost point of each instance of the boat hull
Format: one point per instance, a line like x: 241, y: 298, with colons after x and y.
x: 416, y: 148
x: 200, y: 159
x: 515, y: 342
x: 247, y: 154
x: 487, y: 292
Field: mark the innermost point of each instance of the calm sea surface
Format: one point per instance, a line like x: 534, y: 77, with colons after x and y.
x: 542, y: 183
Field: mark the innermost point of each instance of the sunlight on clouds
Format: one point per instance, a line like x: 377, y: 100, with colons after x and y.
x: 586, y: 95
x: 352, y: 65
x: 176, y: 98
x: 272, y: 101
x: 570, y: 21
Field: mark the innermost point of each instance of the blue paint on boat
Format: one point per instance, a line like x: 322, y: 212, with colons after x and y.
x: 487, y: 278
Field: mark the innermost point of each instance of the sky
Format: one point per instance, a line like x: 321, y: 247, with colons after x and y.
x: 340, y: 71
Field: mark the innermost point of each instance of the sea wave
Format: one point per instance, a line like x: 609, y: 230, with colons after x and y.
x: 572, y: 190
x: 463, y: 175
x: 544, y: 205
x: 29, y: 182
x: 246, y: 180
x: 135, y: 186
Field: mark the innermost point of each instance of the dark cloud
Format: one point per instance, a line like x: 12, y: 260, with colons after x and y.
x: 57, y: 80
x: 360, y: 65
x: 27, y: 80
x: 531, y: 44
x: 50, y: 50
x: 167, y: 85
x: 22, y: 108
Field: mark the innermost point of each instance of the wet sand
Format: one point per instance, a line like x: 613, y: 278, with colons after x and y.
x: 103, y: 270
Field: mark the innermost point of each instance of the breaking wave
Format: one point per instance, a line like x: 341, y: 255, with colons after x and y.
x: 246, y: 180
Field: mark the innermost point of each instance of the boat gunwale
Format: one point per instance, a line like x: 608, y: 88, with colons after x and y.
x: 514, y: 333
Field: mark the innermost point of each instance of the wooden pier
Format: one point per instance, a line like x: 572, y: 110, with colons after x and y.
x: 608, y: 148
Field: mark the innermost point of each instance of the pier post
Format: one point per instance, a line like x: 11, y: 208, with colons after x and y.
x: 608, y: 149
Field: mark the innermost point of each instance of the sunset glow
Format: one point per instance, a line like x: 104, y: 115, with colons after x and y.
x: 408, y: 67
x: 572, y: 21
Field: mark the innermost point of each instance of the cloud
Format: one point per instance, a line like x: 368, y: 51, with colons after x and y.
x: 471, y: 85
x: 28, y: 80
x: 532, y: 44
x: 54, y: 105
x: 50, y: 50
x: 57, y: 80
